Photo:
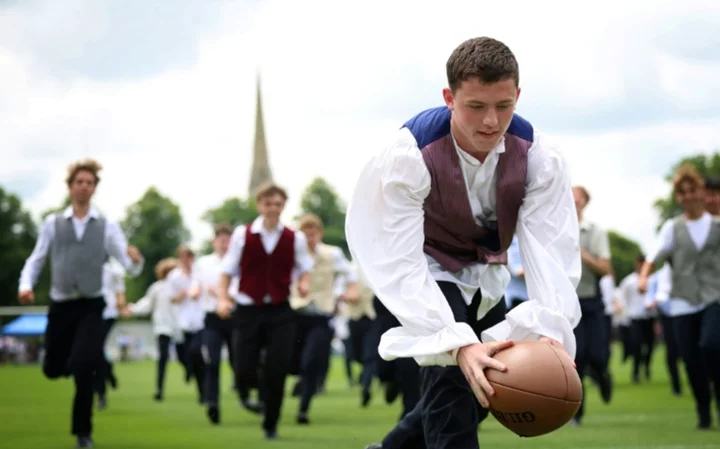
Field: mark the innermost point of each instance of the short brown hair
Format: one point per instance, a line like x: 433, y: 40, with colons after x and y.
x: 164, y: 267
x: 584, y: 192
x: 269, y: 189
x: 310, y: 221
x: 484, y: 58
x: 712, y: 183
x: 184, y: 250
x: 88, y: 165
x: 223, y: 228
x: 687, y: 172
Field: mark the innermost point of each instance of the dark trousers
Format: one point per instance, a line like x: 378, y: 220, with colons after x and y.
x: 608, y: 335
x: 74, y: 347
x: 180, y: 351
x: 105, y: 371
x: 325, y: 362
x: 315, y: 336
x: 400, y: 375
x: 590, y: 371
x: 193, y: 359
x: 698, y: 339
x: 592, y: 348
x: 363, y: 350
x: 272, y: 327
x: 348, y: 359
x: 625, y: 332
x: 163, y: 344
x: 672, y: 353
x: 216, y: 333
x: 448, y: 414
x: 643, y: 338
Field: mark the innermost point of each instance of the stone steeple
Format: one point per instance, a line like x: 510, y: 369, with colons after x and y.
x: 260, y: 173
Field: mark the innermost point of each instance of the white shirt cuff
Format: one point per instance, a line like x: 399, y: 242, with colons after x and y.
x: 439, y: 348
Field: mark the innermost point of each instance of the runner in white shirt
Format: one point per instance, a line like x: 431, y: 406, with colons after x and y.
x: 158, y: 303
x: 114, y: 285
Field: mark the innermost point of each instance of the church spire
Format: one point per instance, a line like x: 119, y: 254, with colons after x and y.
x: 260, y: 173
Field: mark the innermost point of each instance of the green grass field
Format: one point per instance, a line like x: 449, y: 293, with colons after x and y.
x: 34, y: 413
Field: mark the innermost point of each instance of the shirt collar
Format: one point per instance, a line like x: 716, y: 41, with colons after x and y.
x: 499, y: 149
x: 92, y: 213
x: 257, y: 226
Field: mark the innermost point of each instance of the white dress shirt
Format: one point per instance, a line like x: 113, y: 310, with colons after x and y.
x: 158, y: 302
x: 114, y: 284
x: 607, y: 291
x: 207, y: 271
x: 189, y: 311
x: 115, y: 245
x: 631, y: 298
x: 516, y: 288
x: 270, y: 239
x: 384, y: 228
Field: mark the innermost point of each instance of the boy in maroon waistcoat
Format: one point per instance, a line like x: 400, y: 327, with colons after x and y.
x: 263, y: 255
x: 429, y: 225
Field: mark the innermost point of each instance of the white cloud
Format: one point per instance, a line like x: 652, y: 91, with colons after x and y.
x: 337, y: 79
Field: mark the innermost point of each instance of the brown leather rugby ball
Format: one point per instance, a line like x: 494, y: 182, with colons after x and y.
x: 540, y: 391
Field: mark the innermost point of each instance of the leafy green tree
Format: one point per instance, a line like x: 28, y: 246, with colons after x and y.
x: 18, y: 234
x: 624, y: 252
x: 321, y: 199
x: 155, y: 225
x: 234, y: 211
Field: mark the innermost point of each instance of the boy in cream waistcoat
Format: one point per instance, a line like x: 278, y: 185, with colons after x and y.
x: 361, y: 314
x: 316, y: 309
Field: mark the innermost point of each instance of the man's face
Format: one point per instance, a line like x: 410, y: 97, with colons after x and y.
x: 221, y: 243
x: 481, y: 112
x: 689, y: 195
x: 712, y: 201
x: 271, y: 206
x: 313, y: 235
x: 82, y: 187
x: 187, y: 259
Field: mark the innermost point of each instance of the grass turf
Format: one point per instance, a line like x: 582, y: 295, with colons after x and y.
x: 35, y: 413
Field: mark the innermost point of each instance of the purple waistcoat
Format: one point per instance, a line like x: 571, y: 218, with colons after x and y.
x: 452, y: 235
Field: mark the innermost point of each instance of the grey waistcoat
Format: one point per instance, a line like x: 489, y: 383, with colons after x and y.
x: 77, y: 265
x: 695, y: 273
x: 589, y: 285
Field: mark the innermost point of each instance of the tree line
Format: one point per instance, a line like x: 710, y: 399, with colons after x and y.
x: 154, y: 223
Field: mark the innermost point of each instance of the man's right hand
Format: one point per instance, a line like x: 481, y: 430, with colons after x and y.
x: 650, y: 307
x: 225, y: 308
x: 26, y: 297
x: 474, y: 359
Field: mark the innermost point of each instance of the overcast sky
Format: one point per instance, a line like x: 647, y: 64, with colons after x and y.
x: 164, y: 95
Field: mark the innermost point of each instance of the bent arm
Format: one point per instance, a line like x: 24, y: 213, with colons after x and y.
x: 384, y: 228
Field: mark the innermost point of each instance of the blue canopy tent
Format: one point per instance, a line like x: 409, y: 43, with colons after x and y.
x: 26, y: 326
